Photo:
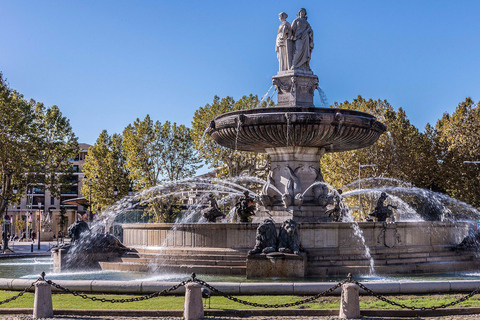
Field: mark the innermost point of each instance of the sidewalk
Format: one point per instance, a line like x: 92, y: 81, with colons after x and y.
x: 24, y: 249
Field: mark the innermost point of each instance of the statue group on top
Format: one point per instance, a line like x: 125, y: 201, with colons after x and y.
x: 294, y: 43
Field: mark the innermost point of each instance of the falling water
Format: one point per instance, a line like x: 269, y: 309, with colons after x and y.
x: 323, y: 98
x: 259, y: 104
x: 237, y: 131
x: 348, y: 217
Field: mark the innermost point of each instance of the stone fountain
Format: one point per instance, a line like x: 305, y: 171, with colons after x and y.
x: 296, y: 134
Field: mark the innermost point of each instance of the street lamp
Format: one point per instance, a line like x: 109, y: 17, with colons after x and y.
x: 6, y: 220
x: 39, y: 223
x: 360, y: 166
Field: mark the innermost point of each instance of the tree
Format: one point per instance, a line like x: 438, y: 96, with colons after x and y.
x: 20, y: 224
x: 55, y: 143
x: 226, y: 161
x: 142, y: 149
x: 62, y: 218
x: 105, y: 169
x: 157, y: 152
x: 17, y: 131
x: 457, y: 139
x: 178, y: 159
x: 398, y: 153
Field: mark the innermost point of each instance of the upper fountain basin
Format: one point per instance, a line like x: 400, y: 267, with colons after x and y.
x: 335, y: 130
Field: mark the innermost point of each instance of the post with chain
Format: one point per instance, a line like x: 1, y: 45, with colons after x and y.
x: 193, y: 309
x: 350, y: 302
x: 42, y: 305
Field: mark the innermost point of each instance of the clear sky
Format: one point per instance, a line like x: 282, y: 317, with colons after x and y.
x: 105, y: 63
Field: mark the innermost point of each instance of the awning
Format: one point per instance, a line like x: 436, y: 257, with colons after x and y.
x: 77, y: 202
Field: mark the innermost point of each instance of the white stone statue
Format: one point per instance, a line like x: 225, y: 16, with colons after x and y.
x: 302, y: 37
x: 283, y: 46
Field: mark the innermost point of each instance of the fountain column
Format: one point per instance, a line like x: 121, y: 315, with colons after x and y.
x: 295, y: 170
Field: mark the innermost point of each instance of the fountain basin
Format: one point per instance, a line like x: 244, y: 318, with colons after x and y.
x: 208, y: 248
x: 334, y: 130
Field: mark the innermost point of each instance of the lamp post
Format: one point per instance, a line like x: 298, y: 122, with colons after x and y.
x: 6, y: 220
x: 39, y: 223
x: 360, y: 166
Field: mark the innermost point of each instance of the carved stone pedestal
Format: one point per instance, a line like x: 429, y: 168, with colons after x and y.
x: 276, y: 265
x: 295, y: 88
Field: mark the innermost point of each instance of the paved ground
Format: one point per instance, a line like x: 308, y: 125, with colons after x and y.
x: 25, y: 248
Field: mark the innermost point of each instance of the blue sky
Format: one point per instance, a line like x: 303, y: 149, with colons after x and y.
x: 105, y: 63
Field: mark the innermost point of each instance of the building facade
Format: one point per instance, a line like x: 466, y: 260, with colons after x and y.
x: 42, y: 211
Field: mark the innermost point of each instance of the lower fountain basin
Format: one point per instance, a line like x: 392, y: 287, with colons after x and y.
x: 331, y: 249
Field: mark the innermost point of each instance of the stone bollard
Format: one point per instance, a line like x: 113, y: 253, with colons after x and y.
x: 42, y: 305
x: 350, y: 302
x: 193, y: 309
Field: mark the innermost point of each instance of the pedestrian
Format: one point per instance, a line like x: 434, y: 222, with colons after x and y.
x: 34, y: 234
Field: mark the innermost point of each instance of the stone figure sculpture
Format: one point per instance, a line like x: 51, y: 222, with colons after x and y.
x: 266, y: 239
x: 267, y: 194
x: 245, y: 208
x: 288, y: 237
x: 87, y: 248
x: 382, y: 212
x: 283, y: 45
x: 212, y: 212
x: 76, y: 229
x: 302, y: 37
x: 339, y: 209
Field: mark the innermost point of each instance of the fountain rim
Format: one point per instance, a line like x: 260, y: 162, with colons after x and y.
x: 315, y: 110
x: 256, y: 124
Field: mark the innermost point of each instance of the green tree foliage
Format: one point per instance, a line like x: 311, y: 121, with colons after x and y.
x: 35, y: 145
x: 457, y: 139
x: 400, y: 153
x: 156, y: 152
x: 165, y: 209
x: 178, y: 157
x: 17, y: 131
x: 105, y: 169
x: 20, y: 224
x: 226, y: 161
x: 55, y: 144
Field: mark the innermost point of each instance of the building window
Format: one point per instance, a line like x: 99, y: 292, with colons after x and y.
x: 52, y: 201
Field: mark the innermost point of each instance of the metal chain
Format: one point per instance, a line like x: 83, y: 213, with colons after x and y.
x: 404, y: 306
x: 145, y: 297
x: 20, y: 294
x: 253, y: 304
x: 266, y: 305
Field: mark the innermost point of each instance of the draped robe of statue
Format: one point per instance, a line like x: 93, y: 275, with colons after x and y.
x: 302, y: 36
x: 283, y: 46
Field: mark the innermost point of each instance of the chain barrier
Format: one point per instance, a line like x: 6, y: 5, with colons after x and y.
x: 141, y: 298
x: 404, y: 306
x: 349, y: 279
x: 15, y: 297
x: 266, y: 305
